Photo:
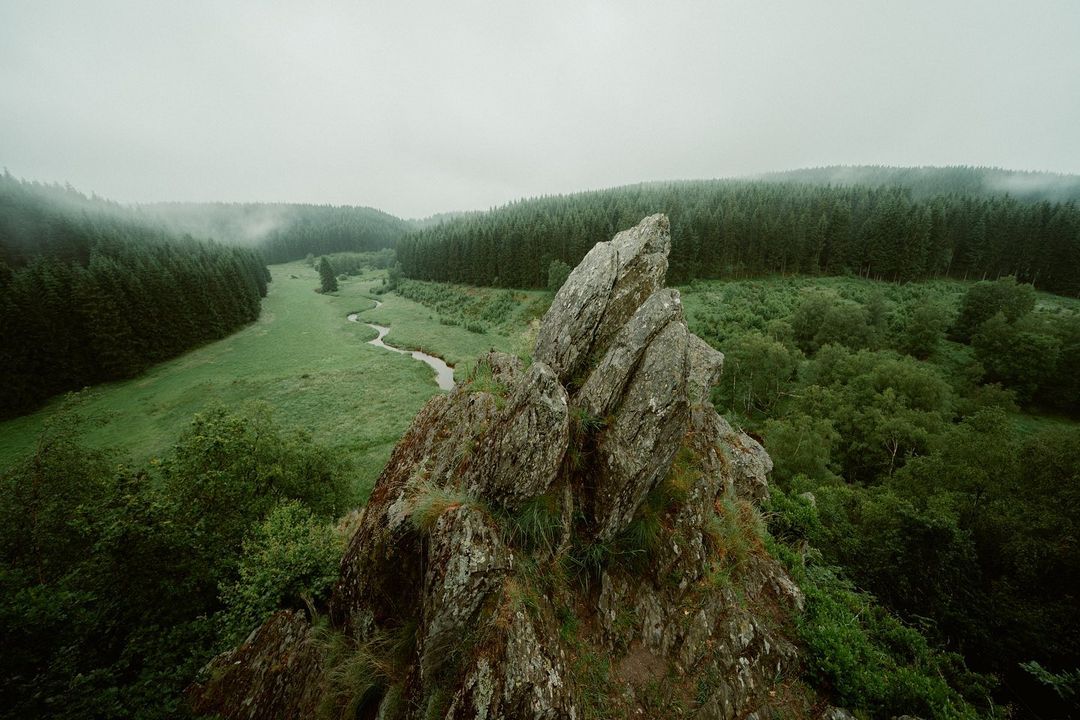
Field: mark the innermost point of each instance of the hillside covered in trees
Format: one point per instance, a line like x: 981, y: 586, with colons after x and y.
x: 284, y: 231
x: 734, y: 228
x: 91, y: 292
x: 928, y: 182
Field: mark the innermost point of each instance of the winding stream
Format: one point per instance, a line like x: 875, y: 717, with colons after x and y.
x: 444, y: 374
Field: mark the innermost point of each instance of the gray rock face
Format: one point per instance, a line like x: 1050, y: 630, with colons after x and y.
x: 706, y: 366
x: 638, y: 445
x: 601, y: 294
x: 603, y: 389
x: 642, y: 253
x: 519, y: 455
x: 736, y: 652
x: 570, y: 325
x: 750, y: 462
x: 522, y: 676
x: 467, y: 563
x: 284, y: 683
x: 540, y: 523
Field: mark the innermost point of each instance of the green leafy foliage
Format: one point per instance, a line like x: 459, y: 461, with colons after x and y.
x: 1065, y: 684
x: 925, y: 486
x: 876, y: 666
x: 352, y: 263
x: 229, y: 470
x: 801, y: 445
x: 1016, y: 354
x: 558, y: 271
x: 872, y: 663
x: 503, y: 311
x: 824, y: 318
x: 757, y: 371
x: 986, y: 299
x: 110, y: 574
x: 289, y: 560
x: 924, y: 329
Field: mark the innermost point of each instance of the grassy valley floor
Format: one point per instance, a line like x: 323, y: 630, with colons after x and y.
x: 303, y: 358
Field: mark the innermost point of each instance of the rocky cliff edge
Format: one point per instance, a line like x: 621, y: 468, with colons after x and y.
x: 571, y: 537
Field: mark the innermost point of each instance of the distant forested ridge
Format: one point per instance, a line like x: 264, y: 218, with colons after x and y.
x: 91, y: 292
x: 284, y: 232
x: 734, y: 228
x: 928, y: 182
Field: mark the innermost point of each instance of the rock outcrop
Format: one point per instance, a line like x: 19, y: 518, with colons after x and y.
x: 573, y: 538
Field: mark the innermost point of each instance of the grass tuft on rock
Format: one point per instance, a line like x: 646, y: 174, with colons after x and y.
x: 359, y: 673
x: 536, y: 526
x: 432, y: 502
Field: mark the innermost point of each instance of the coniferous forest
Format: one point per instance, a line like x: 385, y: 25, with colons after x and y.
x: 90, y: 292
x: 283, y: 231
x: 928, y: 182
x: 736, y: 229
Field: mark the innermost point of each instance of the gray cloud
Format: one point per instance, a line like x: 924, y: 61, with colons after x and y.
x: 421, y: 107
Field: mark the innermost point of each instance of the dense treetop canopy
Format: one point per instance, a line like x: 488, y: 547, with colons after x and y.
x: 91, y: 292
x: 729, y: 228
x: 927, y: 182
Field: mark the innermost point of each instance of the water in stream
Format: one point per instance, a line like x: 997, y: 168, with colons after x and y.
x: 444, y: 374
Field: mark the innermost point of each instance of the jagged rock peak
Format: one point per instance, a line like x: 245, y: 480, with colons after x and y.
x: 590, y: 510
x: 602, y: 293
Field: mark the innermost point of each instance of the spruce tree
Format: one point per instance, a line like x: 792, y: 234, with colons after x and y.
x: 327, y: 276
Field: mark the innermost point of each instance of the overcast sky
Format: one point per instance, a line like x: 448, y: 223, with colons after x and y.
x: 424, y: 107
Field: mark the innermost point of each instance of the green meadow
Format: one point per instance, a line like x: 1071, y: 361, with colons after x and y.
x: 311, y: 367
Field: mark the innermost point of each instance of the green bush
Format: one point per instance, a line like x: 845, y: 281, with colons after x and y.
x: 863, y: 656
x: 558, y: 272
x: 874, y: 665
x: 479, y: 310
x: 290, y: 560
x: 109, y: 573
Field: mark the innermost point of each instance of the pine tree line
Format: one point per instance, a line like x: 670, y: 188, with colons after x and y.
x: 284, y: 232
x: 102, y: 295
x: 727, y: 228
x: 325, y: 230
x: 930, y: 181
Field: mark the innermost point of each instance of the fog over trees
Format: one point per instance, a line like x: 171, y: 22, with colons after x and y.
x: 90, y: 292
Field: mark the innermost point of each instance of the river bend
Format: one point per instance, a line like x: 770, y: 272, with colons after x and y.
x: 444, y: 374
